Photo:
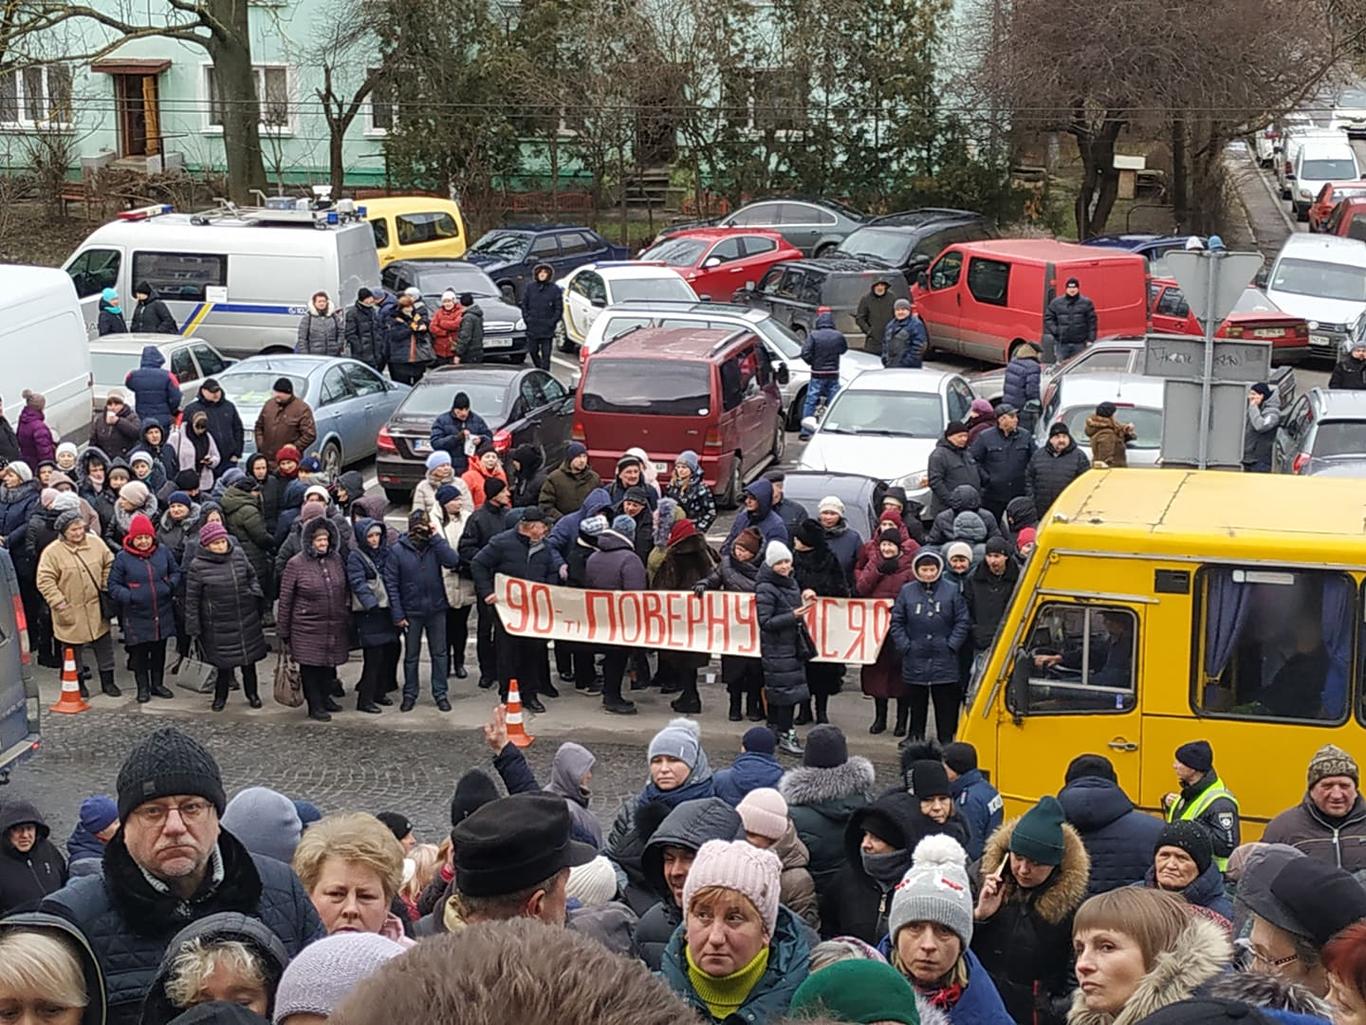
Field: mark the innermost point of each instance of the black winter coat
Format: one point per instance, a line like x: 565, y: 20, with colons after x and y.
x: 9, y: 442
x: 988, y: 597
x: 118, y: 439
x: 1071, y: 321
x: 484, y: 524
x: 820, y: 802
x: 824, y: 346
x: 364, y: 335
x: 144, y: 587
x: 129, y: 924
x: 245, y: 518
x: 775, y: 598
x: 1119, y: 838
x: 542, y: 305
x: 1003, y: 461
x: 413, y: 577
x: 16, y: 509
x: 928, y: 627
x: 225, y: 427
x: 1050, y: 472
x: 965, y: 498
x: 1022, y: 381
x: 151, y: 315
x: 315, y: 609
x: 1348, y: 374
x: 223, y: 602
x: 513, y: 554
x: 950, y: 466
x: 469, y: 337
x: 26, y: 878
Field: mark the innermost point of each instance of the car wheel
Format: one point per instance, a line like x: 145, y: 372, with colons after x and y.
x: 398, y: 496
x: 779, y: 443
x: 824, y: 250
x: 730, y: 498
x: 509, y: 293
x: 562, y: 341
x: 794, y: 412
x: 331, y: 458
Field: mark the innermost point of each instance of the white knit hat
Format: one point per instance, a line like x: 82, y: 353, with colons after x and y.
x: 764, y: 811
x: 322, y: 974
x: 592, y: 883
x: 777, y: 552
x: 934, y: 889
x: 736, y: 865
x: 831, y: 503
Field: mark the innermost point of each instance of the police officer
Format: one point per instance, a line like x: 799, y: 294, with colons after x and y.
x: 1204, y: 799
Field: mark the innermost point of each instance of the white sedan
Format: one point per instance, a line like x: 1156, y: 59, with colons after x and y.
x: 590, y: 289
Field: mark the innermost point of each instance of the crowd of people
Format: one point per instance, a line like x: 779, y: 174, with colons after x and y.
x: 745, y: 894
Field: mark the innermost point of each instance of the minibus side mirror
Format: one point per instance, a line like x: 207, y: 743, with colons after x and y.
x: 1018, y: 687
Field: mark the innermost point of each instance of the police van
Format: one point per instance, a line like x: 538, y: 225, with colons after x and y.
x: 238, y: 277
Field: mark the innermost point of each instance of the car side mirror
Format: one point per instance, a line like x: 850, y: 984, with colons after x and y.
x: 809, y: 425
x: 748, y: 286
x: 600, y: 301
x: 711, y: 261
x: 1017, y: 688
x: 920, y: 262
x: 923, y: 279
x: 780, y: 372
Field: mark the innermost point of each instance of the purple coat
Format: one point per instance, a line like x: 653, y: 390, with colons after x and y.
x: 35, y: 438
x: 314, y: 603
x: 615, y: 566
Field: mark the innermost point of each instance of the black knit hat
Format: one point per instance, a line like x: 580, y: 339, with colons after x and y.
x: 397, y: 822
x: 284, y: 386
x: 826, y: 748
x: 1090, y: 765
x: 960, y: 756
x: 493, y: 487
x: 955, y: 427
x: 1197, y: 755
x: 1323, y: 898
x: 996, y: 545
x: 473, y: 791
x: 928, y: 779
x: 166, y: 764
x: 1190, y: 837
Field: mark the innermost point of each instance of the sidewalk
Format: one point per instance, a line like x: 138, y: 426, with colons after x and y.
x: 1264, y: 219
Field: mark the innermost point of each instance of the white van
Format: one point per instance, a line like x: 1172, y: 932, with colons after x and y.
x: 1292, y: 139
x: 238, y: 279
x: 1321, y: 278
x: 44, y: 348
x: 1319, y: 161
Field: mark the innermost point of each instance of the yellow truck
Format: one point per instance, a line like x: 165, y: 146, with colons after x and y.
x: 1164, y: 607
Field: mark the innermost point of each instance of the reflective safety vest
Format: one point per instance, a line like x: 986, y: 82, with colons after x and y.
x: 1198, y: 807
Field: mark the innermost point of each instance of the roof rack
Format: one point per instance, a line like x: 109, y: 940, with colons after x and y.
x: 276, y: 211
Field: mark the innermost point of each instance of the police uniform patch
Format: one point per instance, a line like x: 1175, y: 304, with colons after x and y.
x: 1225, y: 820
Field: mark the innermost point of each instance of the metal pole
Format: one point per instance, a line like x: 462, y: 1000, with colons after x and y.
x: 1206, y: 380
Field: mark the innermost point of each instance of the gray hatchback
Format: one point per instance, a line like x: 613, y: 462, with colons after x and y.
x: 1324, y: 434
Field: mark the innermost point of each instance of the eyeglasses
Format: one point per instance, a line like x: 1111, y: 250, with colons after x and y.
x: 157, y: 814
x: 1277, y: 962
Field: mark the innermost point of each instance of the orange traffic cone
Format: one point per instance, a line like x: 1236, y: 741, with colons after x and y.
x: 70, y: 701
x: 516, y: 730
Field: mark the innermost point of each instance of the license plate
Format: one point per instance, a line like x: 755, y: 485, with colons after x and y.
x: 1320, y: 340
x: 662, y: 467
x: 1268, y: 332
x: 498, y: 343
x: 422, y: 447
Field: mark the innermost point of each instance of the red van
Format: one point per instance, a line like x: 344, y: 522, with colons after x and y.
x: 667, y: 390
x: 984, y: 299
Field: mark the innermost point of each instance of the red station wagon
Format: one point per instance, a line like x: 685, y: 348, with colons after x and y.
x: 1254, y: 317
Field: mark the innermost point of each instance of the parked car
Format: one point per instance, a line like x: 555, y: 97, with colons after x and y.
x: 1138, y: 400
x: 409, y: 227
x: 1265, y: 145
x: 590, y: 289
x: 792, y: 292
x: 1348, y: 219
x: 718, y: 262
x: 1253, y: 316
x: 986, y: 299
x: 1321, y: 278
x: 504, y: 328
x: 1318, y: 162
x: 521, y: 406
x: 508, y: 254
x: 857, y: 492
x: 1153, y: 248
x: 1293, y: 139
x: 191, y: 360
x: 909, y: 241
x: 784, y: 348
x: 1349, y: 112
x: 815, y: 226
x: 1323, y: 433
x: 885, y: 425
x: 1327, y: 201
x: 667, y: 390
x: 350, y: 401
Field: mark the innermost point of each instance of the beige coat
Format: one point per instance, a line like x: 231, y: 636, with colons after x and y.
x: 70, y: 591
x: 459, y: 589
x: 797, y: 890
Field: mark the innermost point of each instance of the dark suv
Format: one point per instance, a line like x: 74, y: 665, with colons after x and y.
x: 508, y: 254
x: 793, y: 290
x: 910, y: 241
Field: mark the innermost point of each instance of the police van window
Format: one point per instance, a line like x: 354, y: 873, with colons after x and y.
x: 180, y: 276
x: 94, y: 271
x: 1081, y: 659
x: 1274, y: 644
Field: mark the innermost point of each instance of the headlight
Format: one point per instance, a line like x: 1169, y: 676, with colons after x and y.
x: 521, y: 325
x: 914, y: 481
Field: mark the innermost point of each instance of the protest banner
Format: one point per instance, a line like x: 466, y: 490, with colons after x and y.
x: 846, y: 630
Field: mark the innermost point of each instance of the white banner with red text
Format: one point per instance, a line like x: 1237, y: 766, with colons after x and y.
x: 845, y: 630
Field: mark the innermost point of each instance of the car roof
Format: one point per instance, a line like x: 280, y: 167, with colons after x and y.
x: 285, y: 363
x: 446, y: 376
x: 703, y: 231
x: 696, y: 343
x: 1137, y: 241
x: 830, y: 204
x: 1337, y: 402
x: 1042, y: 250
x: 899, y: 379
x: 137, y: 341
x: 534, y: 228
x: 434, y: 262
x: 1325, y: 248
x: 628, y: 269
x: 684, y: 307
x: 923, y: 216
x: 838, y: 264
x: 1118, y: 387
x: 801, y: 483
x: 401, y: 204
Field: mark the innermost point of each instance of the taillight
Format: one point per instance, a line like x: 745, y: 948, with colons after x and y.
x: 1299, y: 463
x: 502, y: 441
x: 712, y: 442
x: 384, y: 442
x: 21, y: 624
x: 577, y: 433
x: 1301, y: 330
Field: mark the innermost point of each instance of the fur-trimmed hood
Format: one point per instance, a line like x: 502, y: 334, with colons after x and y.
x: 807, y: 785
x: 1201, y: 953
x: 1065, y: 889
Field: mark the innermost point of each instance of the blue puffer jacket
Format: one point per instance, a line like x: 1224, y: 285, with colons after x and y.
x: 767, y: 522
x: 129, y: 924
x: 542, y: 304
x: 144, y: 587
x: 1021, y: 381
x: 16, y: 507
x: 412, y: 576
x: 929, y: 625
x: 446, y: 436
x: 364, y: 575
x: 1118, y: 838
x: 84, y: 853
x: 748, y: 772
x: 980, y: 805
x: 824, y: 346
x: 155, y: 395
x: 566, y: 529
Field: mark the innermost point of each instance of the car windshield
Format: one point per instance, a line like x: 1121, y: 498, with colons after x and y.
x: 647, y: 387
x: 676, y: 252
x: 882, y: 244
x: 889, y: 414
x: 1336, y: 438
x: 1328, y: 170
x: 782, y: 339
x: 457, y: 279
x: 662, y: 287
x: 112, y: 367
x: 503, y: 244
x: 432, y: 398
x: 1326, y: 280
x: 1147, y: 423
x: 256, y: 389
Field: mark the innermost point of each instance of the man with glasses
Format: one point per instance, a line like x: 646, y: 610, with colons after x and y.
x: 171, y: 863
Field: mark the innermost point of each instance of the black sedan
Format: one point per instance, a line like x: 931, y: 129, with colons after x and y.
x: 504, y: 328
x: 521, y: 407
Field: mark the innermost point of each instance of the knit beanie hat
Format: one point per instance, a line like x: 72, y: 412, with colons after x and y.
x: 681, y: 739
x: 98, y: 812
x: 1090, y: 765
x: 890, y: 536
x: 179, y: 498
x: 283, y: 385
x: 1197, y: 756
x: 1038, y: 834
x: 831, y: 503
x: 66, y: 501
x: 624, y: 525
x: 573, y: 450
x: 140, y: 456
x: 592, y: 526
x: 134, y: 493
x: 34, y: 399
x: 958, y: 548
x: 737, y: 865
x: 396, y: 822
x: 211, y: 532
x: 777, y: 552
x: 592, y: 883
x: 859, y: 992
x: 265, y: 821
x: 140, y: 526
x: 689, y: 459
x: 928, y: 778
x: 324, y: 972
x: 960, y: 756
x: 167, y: 763
x: 1059, y: 428
x: 438, y: 458
x: 826, y: 747
x: 764, y: 811
x: 493, y: 487
x: 997, y: 546
x: 447, y: 493
x: 758, y: 740
x: 750, y: 540
x: 311, y: 511
x: 472, y: 792
x: 1329, y: 760
x: 934, y: 889
x: 1190, y: 837
x: 65, y: 520
x: 315, y: 489
x: 21, y: 469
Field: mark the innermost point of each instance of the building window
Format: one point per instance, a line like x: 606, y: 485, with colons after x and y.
x: 766, y: 99
x: 383, y: 105
x: 272, y: 95
x: 37, y: 95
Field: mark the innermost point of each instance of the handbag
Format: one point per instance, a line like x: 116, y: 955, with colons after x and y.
x: 289, y: 687
x: 806, y: 647
x: 109, y: 609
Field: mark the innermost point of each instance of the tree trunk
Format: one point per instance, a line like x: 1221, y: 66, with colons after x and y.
x: 1100, y: 180
x: 236, y: 84
x: 1179, y: 201
x: 336, y: 162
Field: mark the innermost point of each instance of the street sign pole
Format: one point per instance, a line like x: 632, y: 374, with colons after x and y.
x: 1208, y: 321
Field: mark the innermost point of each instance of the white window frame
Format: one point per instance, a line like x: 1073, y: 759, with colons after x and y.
x: 23, y: 122
x: 371, y: 129
x: 291, y: 82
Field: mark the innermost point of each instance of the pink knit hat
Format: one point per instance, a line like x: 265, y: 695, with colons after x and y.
x: 736, y: 865
x: 764, y: 811
x: 211, y: 532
